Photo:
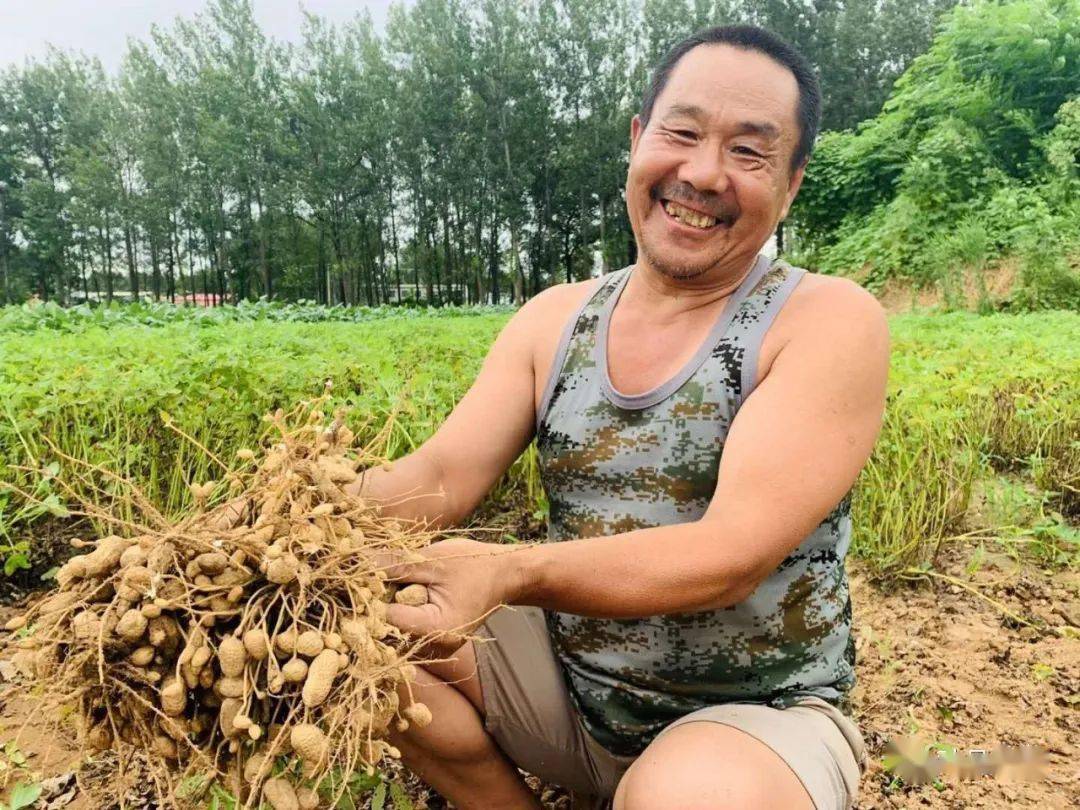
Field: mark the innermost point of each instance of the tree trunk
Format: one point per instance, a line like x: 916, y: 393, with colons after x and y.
x: 337, y: 239
x: 366, y: 263
x: 222, y: 255
x: 478, y: 242
x: 82, y: 270
x: 583, y: 225
x: 61, y: 276
x: 393, y: 235
x: 493, y: 256
x: 322, y: 274
x: 191, y: 264
x: 383, y: 289
x: 549, y: 253
x: 133, y: 275
x: 434, y: 294
x: 516, y: 273
x: 170, y: 274
x: 604, y: 268
x: 155, y: 265
x: 175, y: 262
x: 97, y: 283
x: 568, y: 256
x: 448, y: 259
x: 175, y: 240
x: 108, y: 259
x: 4, y: 274
x: 264, y: 264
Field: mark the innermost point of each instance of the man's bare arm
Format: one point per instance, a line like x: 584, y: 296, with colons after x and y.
x: 794, y: 450
x: 443, y: 480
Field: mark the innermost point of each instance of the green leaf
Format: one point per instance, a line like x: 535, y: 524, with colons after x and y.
x: 24, y: 795
x: 15, y: 562
x: 14, y: 755
x: 400, y: 797
x: 52, y: 503
x: 361, y: 781
x: 378, y: 798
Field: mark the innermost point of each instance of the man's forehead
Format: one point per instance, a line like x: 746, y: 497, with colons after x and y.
x: 721, y: 80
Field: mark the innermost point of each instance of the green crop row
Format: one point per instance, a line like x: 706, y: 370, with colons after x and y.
x: 50, y: 316
x: 968, y: 395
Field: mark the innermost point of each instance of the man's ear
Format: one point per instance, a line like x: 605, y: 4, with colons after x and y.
x: 794, y: 183
x: 635, y: 133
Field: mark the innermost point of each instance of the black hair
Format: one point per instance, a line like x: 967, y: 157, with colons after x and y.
x: 750, y: 38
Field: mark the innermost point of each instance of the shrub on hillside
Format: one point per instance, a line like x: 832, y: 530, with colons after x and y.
x: 982, y: 131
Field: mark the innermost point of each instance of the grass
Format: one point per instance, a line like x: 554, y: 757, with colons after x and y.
x: 50, y: 316
x: 970, y: 397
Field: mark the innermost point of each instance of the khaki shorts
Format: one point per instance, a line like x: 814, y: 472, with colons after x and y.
x: 529, y: 713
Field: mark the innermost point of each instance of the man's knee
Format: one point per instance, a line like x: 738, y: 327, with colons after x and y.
x: 705, y: 766
x: 459, y: 671
x: 455, y: 734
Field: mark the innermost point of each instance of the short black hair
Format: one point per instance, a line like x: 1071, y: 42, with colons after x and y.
x: 750, y: 38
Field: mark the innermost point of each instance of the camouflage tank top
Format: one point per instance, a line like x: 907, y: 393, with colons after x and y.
x: 612, y: 463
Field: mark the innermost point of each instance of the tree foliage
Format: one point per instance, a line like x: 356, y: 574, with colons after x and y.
x: 979, y: 144
x: 471, y: 152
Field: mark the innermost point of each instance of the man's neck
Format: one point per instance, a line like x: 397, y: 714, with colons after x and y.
x: 667, y: 297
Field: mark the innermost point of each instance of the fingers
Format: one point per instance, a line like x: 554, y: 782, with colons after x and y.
x: 407, y: 567
x: 425, y: 621
x: 414, y: 620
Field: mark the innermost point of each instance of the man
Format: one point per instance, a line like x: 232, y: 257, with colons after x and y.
x: 700, y: 418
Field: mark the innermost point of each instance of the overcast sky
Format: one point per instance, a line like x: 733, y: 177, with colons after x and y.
x: 101, y: 27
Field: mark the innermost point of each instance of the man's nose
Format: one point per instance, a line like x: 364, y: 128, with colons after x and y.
x: 704, y: 169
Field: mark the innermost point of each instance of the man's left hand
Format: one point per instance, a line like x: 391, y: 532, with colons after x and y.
x: 466, y: 580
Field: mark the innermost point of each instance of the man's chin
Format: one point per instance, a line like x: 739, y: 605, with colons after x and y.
x: 679, y: 273
x: 676, y: 271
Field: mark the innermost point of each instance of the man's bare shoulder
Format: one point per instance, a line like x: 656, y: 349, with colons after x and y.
x: 540, y: 321
x: 825, y: 305
x: 830, y: 315
x: 565, y: 297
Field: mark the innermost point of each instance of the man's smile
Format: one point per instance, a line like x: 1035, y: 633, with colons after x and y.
x: 688, y: 220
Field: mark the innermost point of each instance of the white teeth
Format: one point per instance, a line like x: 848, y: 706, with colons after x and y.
x: 687, y: 216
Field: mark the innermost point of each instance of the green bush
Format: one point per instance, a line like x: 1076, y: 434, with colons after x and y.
x: 981, y: 134
x: 968, y: 395
x: 99, y: 394
x: 51, y: 316
x: 1047, y: 280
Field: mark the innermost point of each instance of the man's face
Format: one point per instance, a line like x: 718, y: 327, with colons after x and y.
x: 710, y: 176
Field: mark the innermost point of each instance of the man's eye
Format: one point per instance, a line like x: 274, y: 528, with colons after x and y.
x: 685, y: 134
x: 746, y: 150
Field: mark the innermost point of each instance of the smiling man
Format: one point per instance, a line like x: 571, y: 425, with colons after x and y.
x: 684, y: 640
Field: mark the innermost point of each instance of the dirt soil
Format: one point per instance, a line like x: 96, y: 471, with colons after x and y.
x: 942, y: 663
x: 934, y: 660
x: 997, y: 282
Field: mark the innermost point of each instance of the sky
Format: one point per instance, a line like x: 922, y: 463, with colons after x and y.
x: 101, y: 27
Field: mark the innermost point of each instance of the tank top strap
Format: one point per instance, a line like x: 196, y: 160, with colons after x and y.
x: 756, y: 314
x: 580, y: 328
